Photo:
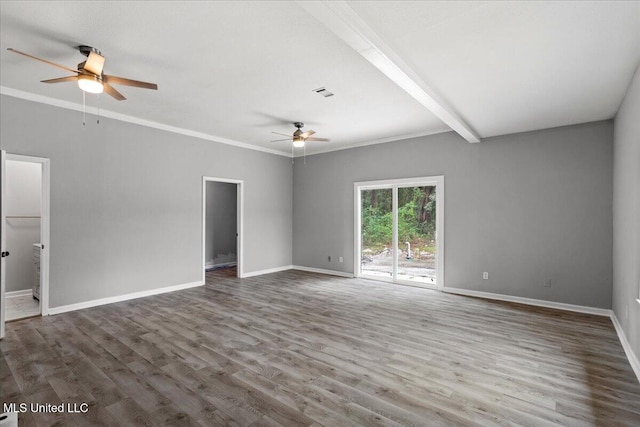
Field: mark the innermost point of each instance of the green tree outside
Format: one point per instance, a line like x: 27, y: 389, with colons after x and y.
x: 416, y: 218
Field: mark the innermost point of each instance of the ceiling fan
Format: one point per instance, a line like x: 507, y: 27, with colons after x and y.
x: 299, y: 138
x: 89, y: 74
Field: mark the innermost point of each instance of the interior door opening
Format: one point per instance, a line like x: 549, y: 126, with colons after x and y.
x: 399, y: 229
x: 24, y: 236
x: 222, y: 224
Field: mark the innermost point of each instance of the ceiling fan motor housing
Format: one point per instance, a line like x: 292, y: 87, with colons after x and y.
x: 86, y: 50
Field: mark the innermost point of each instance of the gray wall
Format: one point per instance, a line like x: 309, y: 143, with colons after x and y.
x: 626, y: 215
x: 23, y: 198
x: 126, y: 200
x: 523, y: 207
x: 221, y: 212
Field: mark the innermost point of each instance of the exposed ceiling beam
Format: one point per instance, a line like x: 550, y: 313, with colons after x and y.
x: 342, y: 20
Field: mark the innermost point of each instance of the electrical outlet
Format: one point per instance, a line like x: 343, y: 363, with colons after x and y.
x: 485, y: 275
x: 547, y: 283
x: 341, y: 259
x: 329, y: 258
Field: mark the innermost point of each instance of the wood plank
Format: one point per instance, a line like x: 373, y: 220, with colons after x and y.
x: 298, y: 348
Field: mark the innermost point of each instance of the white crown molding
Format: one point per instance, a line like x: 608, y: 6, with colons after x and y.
x: 376, y: 141
x: 28, y: 96
x: 120, y: 298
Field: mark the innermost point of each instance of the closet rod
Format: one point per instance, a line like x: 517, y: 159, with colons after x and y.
x: 21, y: 216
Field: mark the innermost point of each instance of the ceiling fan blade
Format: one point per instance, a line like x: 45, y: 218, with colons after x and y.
x: 94, y: 63
x: 111, y: 91
x: 128, y: 82
x: 283, y: 134
x: 61, y: 79
x: 317, y: 139
x: 280, y: 140
x: 307, y: 134
x: 43, y: 60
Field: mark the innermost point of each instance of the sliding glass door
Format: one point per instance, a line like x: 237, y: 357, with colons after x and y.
x: 417, y: 249
x: 399, y: 227
x: 377, y: 233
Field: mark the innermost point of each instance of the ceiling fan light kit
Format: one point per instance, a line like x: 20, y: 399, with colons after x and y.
x: 90, y: 83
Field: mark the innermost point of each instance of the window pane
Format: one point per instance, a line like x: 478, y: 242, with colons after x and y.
x: 416, y: 234
x: 376, y: 233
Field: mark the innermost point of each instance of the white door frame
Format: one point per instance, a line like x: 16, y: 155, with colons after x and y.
x: 3, y: 233
x: 44, y: 229
x: 394, y: 184
x: 239, y: 221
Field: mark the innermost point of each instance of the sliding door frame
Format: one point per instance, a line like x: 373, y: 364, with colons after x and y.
x: 394, y: 185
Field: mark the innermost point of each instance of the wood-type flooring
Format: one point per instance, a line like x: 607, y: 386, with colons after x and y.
x: 303, y: 349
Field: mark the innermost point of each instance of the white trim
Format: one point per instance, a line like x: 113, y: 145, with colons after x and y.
x: 393, y: 184
x: 3, y: 237
x: 222, y: 264
x: 357, y: 202
x: 329, y: 149
x: 322, y: 271
x: 18, y: 294
x: 530, y: 301
x: 344, y: 22
x: 239, y: 222
x: 135, y: 120
x: 633, y: 359
x: 394, y: 233
x: 267, y: 271
x: 27, y: 96
x: 120, y: 298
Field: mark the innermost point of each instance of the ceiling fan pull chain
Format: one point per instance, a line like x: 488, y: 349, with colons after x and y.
x: 84, y: 108
x: 98, y: 121
x: 292, y: 158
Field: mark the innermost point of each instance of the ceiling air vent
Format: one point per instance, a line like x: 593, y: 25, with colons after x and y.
x: 324, y: 92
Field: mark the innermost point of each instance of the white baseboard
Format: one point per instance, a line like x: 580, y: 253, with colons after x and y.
x: 296, y: 267
x: 322, y: 271
x: 633, y: 359
x: 223, y: 264
x: 16, y: 294
x: 530, y: 301
x: 119, y: 298
x: 267, y: 271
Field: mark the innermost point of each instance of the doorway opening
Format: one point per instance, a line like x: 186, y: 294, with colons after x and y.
x: 222, y: 225
x: 400, y: 231
x: 25, y: 237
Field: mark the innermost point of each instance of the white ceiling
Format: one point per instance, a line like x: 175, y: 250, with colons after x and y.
x: 239, y: 70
